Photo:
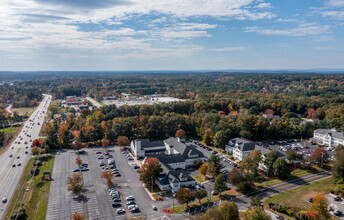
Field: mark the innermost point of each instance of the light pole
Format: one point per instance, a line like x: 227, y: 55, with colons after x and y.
x: 267, y: 176
x: 173, y: 194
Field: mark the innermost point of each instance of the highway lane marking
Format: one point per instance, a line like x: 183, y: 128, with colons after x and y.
x: 11, y: 160
x: 8, y: 171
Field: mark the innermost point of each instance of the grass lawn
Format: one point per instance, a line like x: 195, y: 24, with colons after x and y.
x: 298, y: 173
x: 295, y: 199
x: 24, y: 110
x: 155, y: 195
x: 199, y: 178
x: 181, y: 208
x: 36, y: 199
x: 10, y: 130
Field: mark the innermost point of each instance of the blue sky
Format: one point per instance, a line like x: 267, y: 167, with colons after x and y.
x: 171, y: 34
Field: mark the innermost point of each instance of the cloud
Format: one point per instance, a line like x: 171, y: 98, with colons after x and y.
x: 84, y: 4
x: 193, y: 26
x: 41, y: 18
x: 335, y: 3
x: 169, y: 34
x: 263, y: 5
x: 293, y: 32
x: 339, y: 15
x: 228, y: 49
x: 324, y: 48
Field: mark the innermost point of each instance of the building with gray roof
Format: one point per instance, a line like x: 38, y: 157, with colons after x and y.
x: 330, y: 137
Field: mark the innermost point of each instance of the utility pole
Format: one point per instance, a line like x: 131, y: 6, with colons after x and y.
x: 294, y: 167
x: 152, y: 183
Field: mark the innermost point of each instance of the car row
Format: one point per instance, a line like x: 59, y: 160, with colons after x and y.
x: 127, y: 155
x: 200, y: 145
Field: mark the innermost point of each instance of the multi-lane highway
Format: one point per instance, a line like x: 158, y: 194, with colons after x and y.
x: 14, y: 160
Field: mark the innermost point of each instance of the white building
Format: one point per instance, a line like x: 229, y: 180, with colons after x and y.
x: 330, y: 137
x: 144, y: 147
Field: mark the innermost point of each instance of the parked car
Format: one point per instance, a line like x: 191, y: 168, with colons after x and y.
x: 84, y: 169
x: 4, y: 200
x: 337, y: 213
x: 337, y: 198
x: 76, y: 170
x: 131, y: 202
x: 120, y: 211
x: 116, y: 204
x: 128, y: 198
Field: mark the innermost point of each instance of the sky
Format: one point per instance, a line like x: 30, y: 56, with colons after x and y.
x: 94, y: 35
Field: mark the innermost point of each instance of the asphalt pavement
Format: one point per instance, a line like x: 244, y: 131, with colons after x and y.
x: 15, y: 154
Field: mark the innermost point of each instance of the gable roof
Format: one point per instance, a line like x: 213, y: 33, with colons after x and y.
x: 173, y: 158
x: 184, y: 149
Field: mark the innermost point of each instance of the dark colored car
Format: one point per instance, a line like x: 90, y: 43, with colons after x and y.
x: 116, y: 204
x: 337, y: 198
x: 337, y: 213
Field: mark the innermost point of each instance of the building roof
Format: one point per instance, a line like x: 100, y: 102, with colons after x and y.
x: 173, y: 158
x: 146, y: 143
x: 186, y: 150
x: 332, y: 132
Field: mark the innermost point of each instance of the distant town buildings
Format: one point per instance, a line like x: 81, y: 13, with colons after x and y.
x: 77, y: 103
x: 330, y: 137
x: 129, y: 99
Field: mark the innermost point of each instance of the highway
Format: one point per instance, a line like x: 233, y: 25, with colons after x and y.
x: 14, y: 160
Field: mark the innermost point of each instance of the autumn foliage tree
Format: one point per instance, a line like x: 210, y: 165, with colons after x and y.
x: 123, y: 141
x: 78, y: 216
x: 35, y: 150
x: 200, y: 194
x: 185, y: 196
x: 150, y: 171
x: 108, y: 176
x: 78, y: 161
x: 105, y: 142
x: 181, y: 133
x: 320, y: 155
x: 36, y: 143
x: 75, y: 184
x: 319, y: 209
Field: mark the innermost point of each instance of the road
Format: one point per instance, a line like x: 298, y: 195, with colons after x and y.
x: 8, y: 109
x: 94, y: 102
x: 9, y: 176
x: 243, y: 201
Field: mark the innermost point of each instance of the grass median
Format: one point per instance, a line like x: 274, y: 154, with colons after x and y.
x: 295, y: 200
x: 34, y: 191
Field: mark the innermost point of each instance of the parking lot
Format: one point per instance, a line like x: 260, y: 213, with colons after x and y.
x: 335, y: 205
x: 227, y: 163
x: 62, y: 203
x: 97, y: 203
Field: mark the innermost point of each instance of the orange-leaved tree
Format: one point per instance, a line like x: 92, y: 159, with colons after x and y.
x: 108, y: 176
x: 78, y: 216
x: 319, y: 209
x: 123, y: 141
x: 181, y: 133
x: 150, y: 171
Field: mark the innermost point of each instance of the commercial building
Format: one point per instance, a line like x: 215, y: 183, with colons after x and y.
x: 330, y: 137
